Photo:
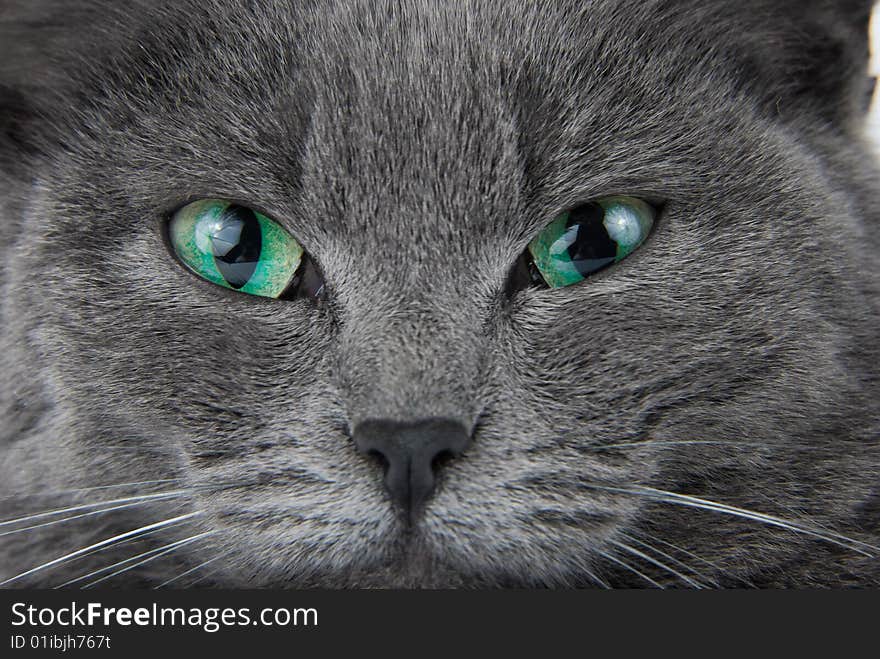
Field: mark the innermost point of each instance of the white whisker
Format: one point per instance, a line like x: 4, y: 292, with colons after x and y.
x: 207, y: 575
x: 97, y: 504
x: 630, y: 568
x: 136, y: 538
x: 103, y: 543
x: 695, y: 502
x: 670, y: 557
x: 828, y: 536
x: 190, y: 571
x: 133, y: 558
x: 660, y: 564
x: 90, y: 489
x: 652, y: 442
x: 158, y: 553
x: 81, y: 515
x: 682, y: 550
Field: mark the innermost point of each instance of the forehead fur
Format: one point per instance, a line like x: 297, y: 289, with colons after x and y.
x: 792, y: 58
x: 379, y: 94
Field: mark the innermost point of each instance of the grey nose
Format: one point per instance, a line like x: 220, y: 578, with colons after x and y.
x: 412, y: 452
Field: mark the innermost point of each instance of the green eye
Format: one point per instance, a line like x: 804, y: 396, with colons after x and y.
x: 236, y: 247
x: 589, y: 238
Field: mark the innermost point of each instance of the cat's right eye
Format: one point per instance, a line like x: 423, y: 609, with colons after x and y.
x: 236, y: 247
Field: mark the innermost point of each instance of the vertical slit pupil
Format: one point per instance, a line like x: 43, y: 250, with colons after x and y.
x: 236, y: 243
x: 592, y: 249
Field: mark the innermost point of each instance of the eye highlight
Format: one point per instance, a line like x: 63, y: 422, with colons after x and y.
x: 590, y: 237
x: 236, y: 247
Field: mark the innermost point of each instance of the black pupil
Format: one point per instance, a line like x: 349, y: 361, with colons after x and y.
x: 591, y: 248
x: 236, y: 245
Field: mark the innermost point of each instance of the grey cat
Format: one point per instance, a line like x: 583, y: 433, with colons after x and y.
x: 440, y: 395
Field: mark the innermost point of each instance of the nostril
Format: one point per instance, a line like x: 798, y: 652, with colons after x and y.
x: 379, y: 457
x: 411, y: 454
x: 442, y: 459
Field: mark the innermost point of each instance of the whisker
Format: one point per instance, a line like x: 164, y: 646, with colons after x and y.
x: 598, y: 580
x: 89, y: 489
x: 732, y: 443
x: 190, y: 571
x: 137, y: 538
x: 102, y: 544
x: 630, y: 568
x: 81, y: 515
x: 708, y: 581
x: 792, y: 511
x: 685, y: 442
x: 137, y: 449
x: 660, y: 564
x: 98, y: 504
x: 675, y: 547
x: 828, y: 536
x: 129, y: 560
x: 207, y: 575
x: 696, y: 502
x: 162, y: 551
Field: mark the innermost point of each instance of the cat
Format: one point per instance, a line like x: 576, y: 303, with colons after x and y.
x: 570, y: 294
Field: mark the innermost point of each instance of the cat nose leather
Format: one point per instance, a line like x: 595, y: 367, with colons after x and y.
x: 411, y: 452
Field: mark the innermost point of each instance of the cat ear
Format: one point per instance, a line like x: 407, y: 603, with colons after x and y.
x: 808, y: 57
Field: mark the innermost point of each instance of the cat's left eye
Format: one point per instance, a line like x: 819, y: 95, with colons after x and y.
x: 236, y: 247
x: 589, y: 238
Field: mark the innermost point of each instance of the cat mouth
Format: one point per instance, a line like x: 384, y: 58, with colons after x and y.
x: 441, y: 547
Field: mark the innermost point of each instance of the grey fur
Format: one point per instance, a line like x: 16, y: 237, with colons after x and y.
x: 414, y: 148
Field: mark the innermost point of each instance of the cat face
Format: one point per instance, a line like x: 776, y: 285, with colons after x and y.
x: 702, y: 412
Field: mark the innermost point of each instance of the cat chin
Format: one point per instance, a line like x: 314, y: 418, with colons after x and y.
x: 423, y: 572
x: 402, y: 556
